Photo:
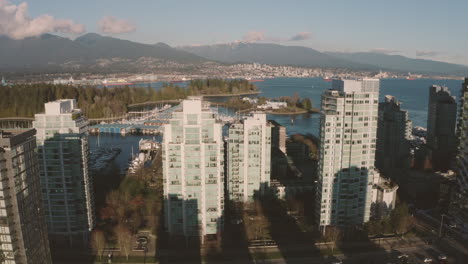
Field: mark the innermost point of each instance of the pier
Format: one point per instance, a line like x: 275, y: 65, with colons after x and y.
x: 123, y: 129
x: 136, y: 122
x: 147, y: 121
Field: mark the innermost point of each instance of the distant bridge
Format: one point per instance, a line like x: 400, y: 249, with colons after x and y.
x: 163, y: 102
x: 158, y: 113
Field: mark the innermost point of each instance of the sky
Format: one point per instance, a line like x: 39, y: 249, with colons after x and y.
x: 427, y: 29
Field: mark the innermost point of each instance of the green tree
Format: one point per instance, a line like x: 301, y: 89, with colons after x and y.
x: 306, y: 104
x: 124, y: 239
x: 98, y: 241
x: 400, y: 219
x: 374, y: 228
x: 333, y: 235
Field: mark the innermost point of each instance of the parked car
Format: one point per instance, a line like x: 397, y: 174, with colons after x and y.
x: 442, y: 259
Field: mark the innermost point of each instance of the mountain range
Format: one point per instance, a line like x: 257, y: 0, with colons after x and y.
x: 52, y: 51
x: 404, y: 64
x: 303, y: 56
x: 273, y: 54
x: 92, y: 51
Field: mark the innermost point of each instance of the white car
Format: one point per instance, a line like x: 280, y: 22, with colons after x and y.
x: 427, y: 260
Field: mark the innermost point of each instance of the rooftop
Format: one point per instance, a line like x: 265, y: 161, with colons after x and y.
x: 8, y: 139
x: 62, y: 106
x: 387, y: 185
x: 356, y: 85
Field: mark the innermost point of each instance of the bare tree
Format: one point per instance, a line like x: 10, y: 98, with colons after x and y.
x: 332, y: 234
x: 98, y: 241
x: 124, y: 238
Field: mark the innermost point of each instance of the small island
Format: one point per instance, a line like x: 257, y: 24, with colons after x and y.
x: 284, y: 105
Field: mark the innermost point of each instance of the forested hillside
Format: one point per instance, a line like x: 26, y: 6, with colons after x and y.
x: 96, y: 102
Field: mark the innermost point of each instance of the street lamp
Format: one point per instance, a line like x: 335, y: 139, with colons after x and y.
x: 441, y: 224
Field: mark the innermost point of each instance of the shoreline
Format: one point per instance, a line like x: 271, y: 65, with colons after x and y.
x: 179, y: 100
x: 292, y: 113
x: 229, y: 95
x: 269, y: 112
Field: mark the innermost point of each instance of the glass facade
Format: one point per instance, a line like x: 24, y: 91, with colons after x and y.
x: 249, y: 158
x: 393, y: 135
x: 193, y: 175
x: 459, y: 201
x: 67, y: 189
x: 23, y: 231
x: 348, y: 128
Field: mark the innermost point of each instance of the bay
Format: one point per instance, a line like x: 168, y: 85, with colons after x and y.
x: 413, y: 94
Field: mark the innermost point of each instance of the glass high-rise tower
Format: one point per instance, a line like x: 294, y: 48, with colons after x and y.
x: 346, y: 172
x: 23, y: 230
x: 393, y: 135
x: 249, y: 157
x: 193, y: 171
x: 67, y: 188
x: 441, y: 123
x: 459, y: 201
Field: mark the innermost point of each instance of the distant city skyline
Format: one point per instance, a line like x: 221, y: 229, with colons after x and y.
x: 417, y: 29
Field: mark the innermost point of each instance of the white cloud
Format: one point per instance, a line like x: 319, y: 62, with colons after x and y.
x: 384, y: 51
x: 113, y: 25
x: 426, y: 53
x: 301, y: 36
x: 254, y: 36
x: 15, y: 22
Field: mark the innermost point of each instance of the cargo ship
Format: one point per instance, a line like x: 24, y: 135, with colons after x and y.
x: 254, y: 80
x: 327, y: 79
x: 115, y: 82
x: 180, y: 81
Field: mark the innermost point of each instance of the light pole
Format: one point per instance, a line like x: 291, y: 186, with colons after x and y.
x: 441, y: 225
x: 146, y: 250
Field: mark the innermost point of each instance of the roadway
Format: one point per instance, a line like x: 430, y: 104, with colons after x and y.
x: 390, y: 249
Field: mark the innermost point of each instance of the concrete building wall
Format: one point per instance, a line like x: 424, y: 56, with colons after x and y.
x: 278, y: 136
x: 63, y: 158
x: 393, y: 135
x: 441, y: 122
x: 23, y: 230
x: 459, y: 200
x: 249, y: 158
x: 348, y: 128
x: 193, y: 171
x: 384, y: 194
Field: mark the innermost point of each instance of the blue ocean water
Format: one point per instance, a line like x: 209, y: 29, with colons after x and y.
x: 413, y: 94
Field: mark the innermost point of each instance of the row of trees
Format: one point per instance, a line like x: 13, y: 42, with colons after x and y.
x: 135, y: 205
x: 398, y: 222
x: 26, y: 100
x: 254, y: 215
x: 296, y: 101
x: 309, y: 142
x: 220, y: 86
